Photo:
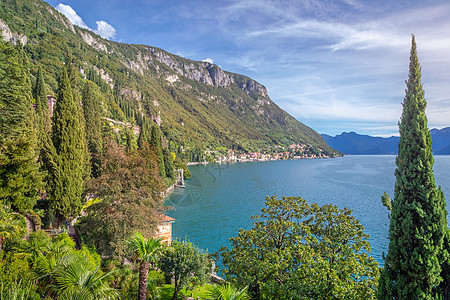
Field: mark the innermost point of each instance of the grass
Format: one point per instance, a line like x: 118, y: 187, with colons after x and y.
x: 167, y: 292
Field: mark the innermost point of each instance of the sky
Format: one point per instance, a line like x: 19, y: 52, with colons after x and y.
x: 335, y: 65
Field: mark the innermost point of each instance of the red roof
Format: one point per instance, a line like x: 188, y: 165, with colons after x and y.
x: 165, y: 219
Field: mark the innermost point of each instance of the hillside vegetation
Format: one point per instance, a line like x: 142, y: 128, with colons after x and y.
x: 196, y: 103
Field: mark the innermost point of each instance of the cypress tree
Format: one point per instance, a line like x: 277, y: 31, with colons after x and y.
x: 20, y: 179
x: 72, y: 74
x: 68, y: 139
x: 155, y: 142
x: 144, y: 133
x: 168, y: 163
x: 91, y: 110
x: 42, y: 112
x: 418, y: 224
x: 129, y: 138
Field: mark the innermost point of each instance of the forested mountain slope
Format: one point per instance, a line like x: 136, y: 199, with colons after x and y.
x: 197, y: 104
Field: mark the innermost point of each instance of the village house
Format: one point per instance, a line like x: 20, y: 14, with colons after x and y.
x: 164, y: 230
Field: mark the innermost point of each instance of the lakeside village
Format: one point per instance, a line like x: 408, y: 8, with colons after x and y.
x: 293, y: 151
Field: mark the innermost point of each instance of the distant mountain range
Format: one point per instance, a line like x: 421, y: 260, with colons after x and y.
x: 353, y: 143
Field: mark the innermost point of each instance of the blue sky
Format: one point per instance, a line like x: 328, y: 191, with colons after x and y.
x: 334, y: 65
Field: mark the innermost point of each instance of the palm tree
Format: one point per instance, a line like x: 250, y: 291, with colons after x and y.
x: 76, y: 279
x: 36, y: 242
x: 62, y: 272
x: 145, y: 251
x: 228, y: 292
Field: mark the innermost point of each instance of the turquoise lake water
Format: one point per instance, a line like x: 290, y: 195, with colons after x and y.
x: 219, y: 199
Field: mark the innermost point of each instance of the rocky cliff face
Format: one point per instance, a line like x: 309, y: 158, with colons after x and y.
x: 208, y: 73
x: 8, y: 36
x: 250, y: 86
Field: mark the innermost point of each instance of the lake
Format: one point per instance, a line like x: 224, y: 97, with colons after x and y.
x: 220, y: 198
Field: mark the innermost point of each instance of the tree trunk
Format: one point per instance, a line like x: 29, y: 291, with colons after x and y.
x: 143, y: 274
x: 175, y: 295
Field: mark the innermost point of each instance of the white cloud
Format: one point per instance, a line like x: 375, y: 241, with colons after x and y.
x: 71, y: 14
x: 208, y: 60
x: 104, y: 29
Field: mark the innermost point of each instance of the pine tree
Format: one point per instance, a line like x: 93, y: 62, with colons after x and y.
x: 419, y: 217
x: 91, y: 109
x: 68, y: 139
x: 20, y: 179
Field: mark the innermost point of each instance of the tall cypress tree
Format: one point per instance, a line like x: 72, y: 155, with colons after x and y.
x: 20, y: 179
x: 168, y: 163
x: 91, y: 110
x: 68, y: 139
x: 155, y: 142
x: 419, y: 217
x: 143, y: 134
x: 42, y: 112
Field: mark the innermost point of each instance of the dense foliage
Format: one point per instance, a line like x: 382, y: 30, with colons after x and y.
x: 186, y: 264
x: 418, y: 226
x: 45, y: 172
x: 92, y: 117
x: 20, y: 178
x: 301, y: 251
x: 68, y: 138
x: 128, y: 200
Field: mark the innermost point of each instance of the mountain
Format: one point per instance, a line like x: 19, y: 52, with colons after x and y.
x: 353, y: 143
x: 441, y: 141
x: 196, y: 104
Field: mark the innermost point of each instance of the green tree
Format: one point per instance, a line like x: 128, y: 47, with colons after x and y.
x: 128, y: 189
x: 228, y: 292
x: 20, y: 178
x: 179, y: 164
x: 145, y: 251
x: 168, y: 164
x: 301, y: 251
x: 38, y: 91
x: 91, y: 109
x: 63, y: 272
x: 68, y: 139
x: 12, y: 226
x: 42, y: 109
x: 128, y: 138
x: 185, y: 262
x: 42, y: 112
x: 143, y: 134
x: 418, y: 216
x: 155, y: 142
